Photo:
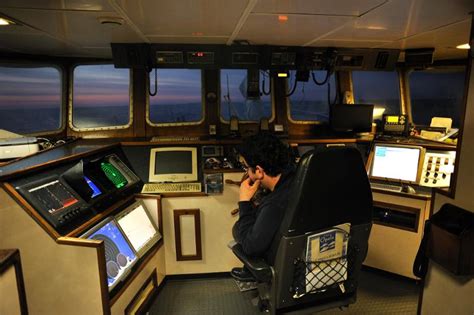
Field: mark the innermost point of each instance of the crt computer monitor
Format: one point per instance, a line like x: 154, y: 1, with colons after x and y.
x: 173, y: 164
x: 351, y: 117
x: 119, y: 254
x: 397, y: 163
x: 137, y: 224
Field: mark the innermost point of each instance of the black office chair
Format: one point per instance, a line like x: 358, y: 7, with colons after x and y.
x: 330, y: 189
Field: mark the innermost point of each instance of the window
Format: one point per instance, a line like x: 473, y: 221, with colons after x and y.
x: 30, y: 99
x: 310, y: 102
x: 380, y: 88
x: 100, y: 97
x: 436, y: 93
x: 178, y: 99
x: 234, y: 101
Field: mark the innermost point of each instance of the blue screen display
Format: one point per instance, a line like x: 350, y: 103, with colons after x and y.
x: 119, y: 256
x: 95, y: 190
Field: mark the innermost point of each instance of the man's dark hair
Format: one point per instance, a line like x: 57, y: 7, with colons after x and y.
x: 267, y: 151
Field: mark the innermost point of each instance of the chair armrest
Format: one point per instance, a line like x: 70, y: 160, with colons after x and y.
x: 257, y: 266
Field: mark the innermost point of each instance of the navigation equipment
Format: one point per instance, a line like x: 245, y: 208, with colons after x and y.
x: 137, y: 224
x: 397, y: 162
x: 173, y: 164
x: 119, y: 255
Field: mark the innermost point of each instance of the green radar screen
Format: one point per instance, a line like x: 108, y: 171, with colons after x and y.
x: 113, y: 174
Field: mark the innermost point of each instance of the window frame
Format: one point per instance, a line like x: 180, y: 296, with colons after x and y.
x: 409, y: 104
x: 288, y: 104
x: 63, y: 86
x: 175, y: 124
x: 71, y: 105
x: 219, y: 92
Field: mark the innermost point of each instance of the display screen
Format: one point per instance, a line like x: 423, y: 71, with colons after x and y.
x: 54, y: 196
x: 113, y: 174
x: 95, y: 190
x: 397, y: 163
x: 119, y: 256
x: 392, y: 119
x: 138, y: 227
x: 173, y: 162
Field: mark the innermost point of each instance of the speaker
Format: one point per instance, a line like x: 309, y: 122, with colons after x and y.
x: 422, y: 57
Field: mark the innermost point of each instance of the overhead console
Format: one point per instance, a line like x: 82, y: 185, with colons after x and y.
x: 70, y: 194
x: 147, y: 56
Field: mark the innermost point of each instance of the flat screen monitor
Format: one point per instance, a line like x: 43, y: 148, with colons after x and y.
x: 137, y: 224
x: 119, y: 254
x: 351, y: 117
x: 173, y: 164
x: 397, y: 162
x: 53, y: 196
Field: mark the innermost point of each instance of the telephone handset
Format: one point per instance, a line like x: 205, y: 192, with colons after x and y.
x: 395, y: 125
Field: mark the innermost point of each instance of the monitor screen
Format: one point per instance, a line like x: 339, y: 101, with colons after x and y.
x: 138, y: 226
x: 351, y: 117
x: 119, y: 255
x: 178, y: 164
x: 95, y: 190
x: 393, y: 162
x: 53, y: 196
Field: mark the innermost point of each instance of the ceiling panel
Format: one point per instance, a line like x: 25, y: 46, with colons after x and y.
x: 444, y: 40
x: 402, y: 18
x: 89, y: 5
x: 333, y: 7
x: 297, y: 30
x: 349, y: 43
x: 32, y: 43
x: 80, y: 28
x: 188, y: 39
x: 185, y: 17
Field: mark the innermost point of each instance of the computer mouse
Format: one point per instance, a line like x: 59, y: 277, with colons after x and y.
x: 408, y: 189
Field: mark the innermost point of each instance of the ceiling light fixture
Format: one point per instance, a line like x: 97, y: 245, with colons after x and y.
x: 4, y: 21
x: 110, y: 20
x: 463, y: 46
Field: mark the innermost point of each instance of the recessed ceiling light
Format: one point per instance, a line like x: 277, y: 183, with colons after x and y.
x: 463, y: 46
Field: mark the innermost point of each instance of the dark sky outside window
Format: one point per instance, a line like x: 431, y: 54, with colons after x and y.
x: 380, y: 88
x: 30, y: 99
x: 179, y: 97
x: 233, y: 97
x: 436, y: 94
x: 309, y: 102
x: 100, y: 96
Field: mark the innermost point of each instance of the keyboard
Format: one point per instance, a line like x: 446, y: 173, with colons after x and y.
x: 155, y: 188
x: 388, y: 187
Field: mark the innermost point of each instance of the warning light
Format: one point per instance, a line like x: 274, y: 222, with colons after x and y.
x: 282, y: 74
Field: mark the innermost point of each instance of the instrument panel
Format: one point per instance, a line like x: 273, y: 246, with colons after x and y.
x: 69, y: 195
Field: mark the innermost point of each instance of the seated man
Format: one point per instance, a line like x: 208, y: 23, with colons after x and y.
x: 267, y: 163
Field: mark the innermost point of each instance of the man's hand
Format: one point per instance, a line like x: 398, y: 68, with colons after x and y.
x: 248, y: 189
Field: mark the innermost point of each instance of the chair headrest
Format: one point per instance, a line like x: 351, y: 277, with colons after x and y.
x: 330, y: 187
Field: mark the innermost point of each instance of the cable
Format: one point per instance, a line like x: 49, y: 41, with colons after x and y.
x: 328, y: 74
x: 269, y: 84
x: 336, y: 97
x: 156, y: 84
x: 293, y: 89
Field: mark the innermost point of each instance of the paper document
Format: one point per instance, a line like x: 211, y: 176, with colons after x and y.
x: 322, y: 251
